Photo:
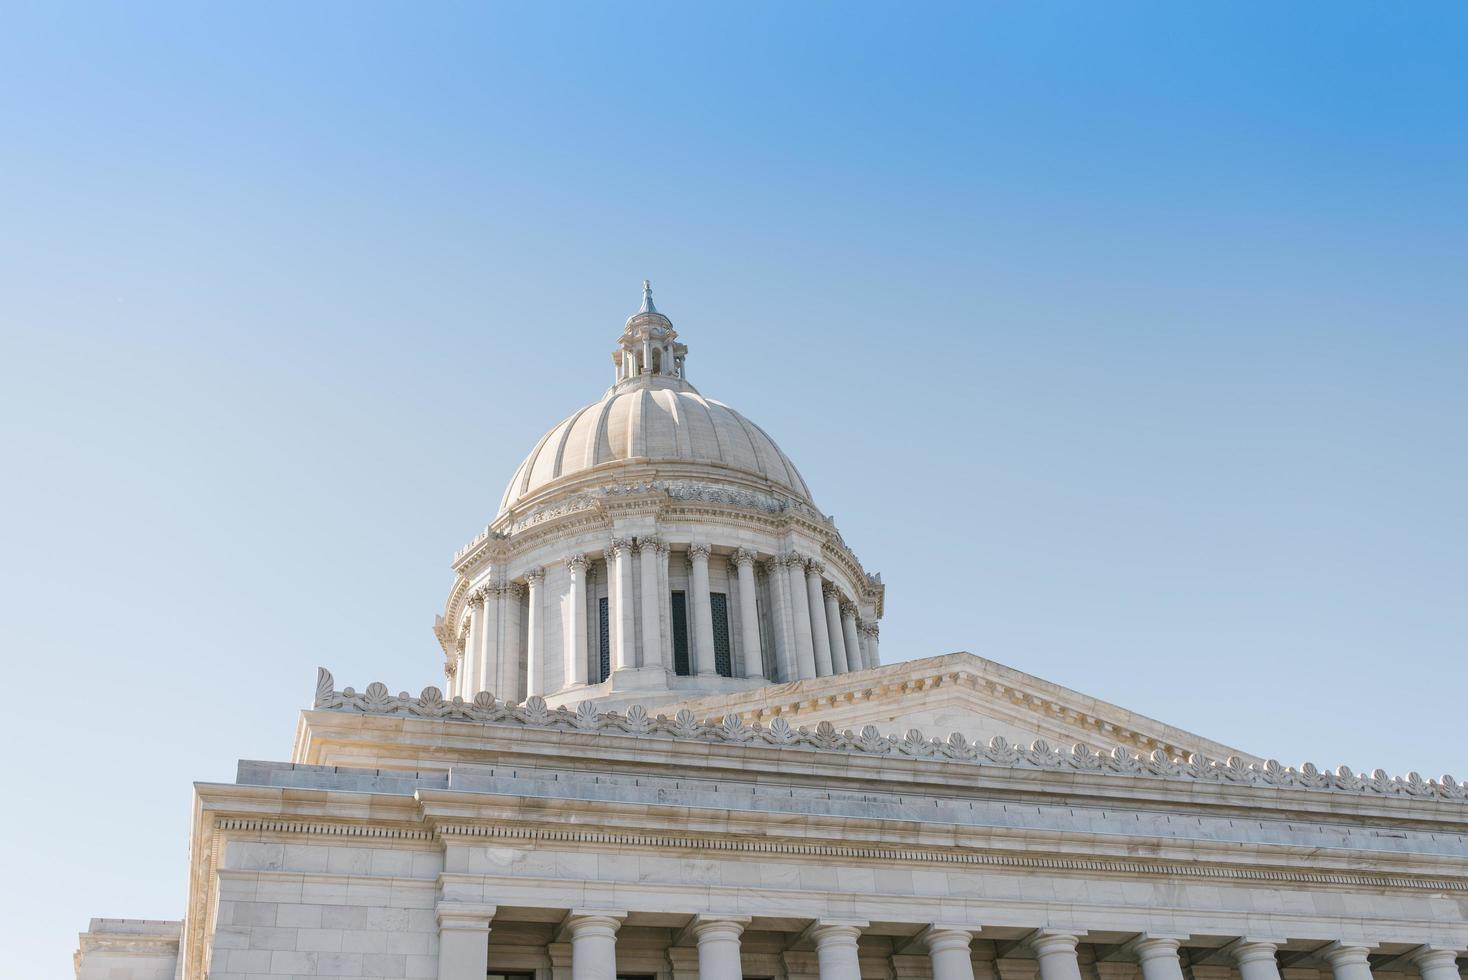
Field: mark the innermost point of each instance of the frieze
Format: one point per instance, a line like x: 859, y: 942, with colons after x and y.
x: 534, y: 713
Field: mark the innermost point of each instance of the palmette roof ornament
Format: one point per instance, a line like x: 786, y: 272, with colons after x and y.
x: 484, y: 709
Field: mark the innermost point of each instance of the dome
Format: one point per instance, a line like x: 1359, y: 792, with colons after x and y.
x: 653, y: 420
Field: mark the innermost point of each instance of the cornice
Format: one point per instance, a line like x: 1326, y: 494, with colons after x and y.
x: 955, y: 750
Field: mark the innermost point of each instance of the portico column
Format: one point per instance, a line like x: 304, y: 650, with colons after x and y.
x: 949, y: 951
x: 652, y: 634
x: 805, y: 654
x: 593, y: 944
x: 463, y: 940
x: 1157, y: 956
x: 839, y: 663
x: 1348, y: 961
x: 820, y: 639
x: 576, y: 623
x: 512, y: 653
x: 748, y: 615
x: 849, y: 635
x: 471, y: 683
x: 1255, y: 958
x: 535, y: 627
x: 624, y: 633
x: 780, y: 618
x: 1056, y: 952
x: 1437, y: 963
x: 703, y: 614
x: 718, y: 946
x: 836, y: 949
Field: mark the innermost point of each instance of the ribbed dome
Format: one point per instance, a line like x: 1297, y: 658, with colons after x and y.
x: 655, y: 420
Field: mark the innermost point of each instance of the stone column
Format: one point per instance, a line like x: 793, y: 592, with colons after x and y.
x: 703, y: 614
x: 1437, y: 963
x: 513, y: 652
x: 805, y: 654
x: 949, y: 950
x: 718, y: 946
x: 665, y: 605
x: 489, y: 652
x: 593, y: 944
x: 1157, y: 956
x: 836, y: 949
x: 754, y: 664
x: 463, y: 940
x: 535, y: 627
x: 1255, y: 958
x: 652, y: 633
x: 472, y: 682
x: 820, y: 640
x: 624, y: 628
x: 839, y: 663
x: 1348, y: 962
x: 780, y: 618
x: 1056, y: 952
x: 576, y: 658
x: 850, y: 637
x: 868, y: 630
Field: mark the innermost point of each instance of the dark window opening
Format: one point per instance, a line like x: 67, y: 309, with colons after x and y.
x: 604, y: 646
x: 680, y: 634
x: 723, y: 660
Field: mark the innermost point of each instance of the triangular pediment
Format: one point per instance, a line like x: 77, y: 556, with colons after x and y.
x: 964, y: 693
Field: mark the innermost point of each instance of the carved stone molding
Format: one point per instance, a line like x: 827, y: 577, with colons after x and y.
x: 484, y: 709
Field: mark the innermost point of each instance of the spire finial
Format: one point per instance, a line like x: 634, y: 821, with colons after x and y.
x: 647, y: 306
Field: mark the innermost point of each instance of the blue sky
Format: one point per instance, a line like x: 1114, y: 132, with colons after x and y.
x: 1127, y: 341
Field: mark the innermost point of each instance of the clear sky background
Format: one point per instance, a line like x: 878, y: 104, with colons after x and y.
x: 1128, y: 341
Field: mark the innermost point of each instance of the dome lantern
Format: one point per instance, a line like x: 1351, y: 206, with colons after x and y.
x: 648, y: 347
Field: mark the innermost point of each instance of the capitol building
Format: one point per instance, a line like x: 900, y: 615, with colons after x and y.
x: 660, y: 743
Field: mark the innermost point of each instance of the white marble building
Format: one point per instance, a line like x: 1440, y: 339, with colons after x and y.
x: 693, y: 765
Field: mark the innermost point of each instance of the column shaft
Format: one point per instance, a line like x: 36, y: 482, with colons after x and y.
x: 489, y: 650
x: 754, y: 663
x: 576, y: 624
x: 849, y: 634
x: 472, y: 681
x: 665, y: 606
x: 593, y: 945
x: 836, y: 951
x: 702, y: 609
x: 820, y: 639
x: 535, y: 656
x: 839, y: 663
x: 1157, y: 956
x: 780, y: 619
x: 652, y: 633
x: 624, y: 647
x: 1349, y: 962
x: 805, y: 654
x: 513, y: 655
x: 1056, y: 952
x: 718, y: 947
x: 949, y: 951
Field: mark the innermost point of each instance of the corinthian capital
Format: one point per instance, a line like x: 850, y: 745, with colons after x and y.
x: 618, y: 547
x: 742, y: 557
x: 698, y: 552
x: 577, y: 563
x: 476, y: 598
x: 535, y: 576
x: 795, y: 560
x: 649, y: 544
x: 848, y: 608
x: 831, y: 591
x: 816, y: 566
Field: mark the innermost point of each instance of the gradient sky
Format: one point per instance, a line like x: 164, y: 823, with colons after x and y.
x: 1128, y: 341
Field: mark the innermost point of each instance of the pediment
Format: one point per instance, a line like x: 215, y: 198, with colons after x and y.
x: 960, y: 692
